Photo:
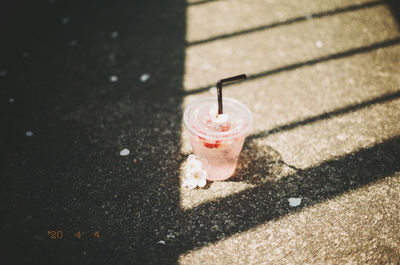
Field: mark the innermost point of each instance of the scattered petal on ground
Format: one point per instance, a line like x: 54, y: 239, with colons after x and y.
x: 11, y: 100
x: 65, y: 20
x: 319, y: 44
x: 114, y: 35
x: 161, y: 242
x: 294, y: 202
x: 3, y: 73
x: 73, y: 43
x: 29, y: 133
x: 144, y: 77
x: 113, y: 78
x: 124, y: 152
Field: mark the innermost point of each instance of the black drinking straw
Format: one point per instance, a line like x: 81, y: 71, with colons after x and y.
x: 219, y: 88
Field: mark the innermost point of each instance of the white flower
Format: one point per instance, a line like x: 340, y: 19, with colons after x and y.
x: 195, y: 176
x: 192, y: 163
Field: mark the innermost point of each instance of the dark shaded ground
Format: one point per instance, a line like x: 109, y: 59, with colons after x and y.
x: 395, y: 8
x: 69, y: 175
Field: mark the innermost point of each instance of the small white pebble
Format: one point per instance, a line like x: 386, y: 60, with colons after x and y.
x: 11, y: 100
x: 65, y: 20
x: 294, y: 202
x: 309, y: 17
x: 161, y: 242
x: 319, y: 44
x: 3, y: 73
x: 124, y: 152
x: 113, y: 78
x: 144, y: 77
x: 73, y: 43
x: 29, y: 133
x: 114, y: 35
x: 213, y: 90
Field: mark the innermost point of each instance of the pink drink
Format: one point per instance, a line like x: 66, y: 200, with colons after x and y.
x: 217, y: 145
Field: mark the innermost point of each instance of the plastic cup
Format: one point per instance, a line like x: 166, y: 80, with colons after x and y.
x: 218, y: 149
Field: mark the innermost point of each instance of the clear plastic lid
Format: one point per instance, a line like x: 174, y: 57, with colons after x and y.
x: 198, y: 121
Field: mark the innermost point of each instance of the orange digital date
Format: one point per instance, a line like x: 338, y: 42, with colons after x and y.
x: 58, y: 234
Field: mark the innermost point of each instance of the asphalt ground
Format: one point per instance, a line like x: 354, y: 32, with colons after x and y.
x: 323, y: 85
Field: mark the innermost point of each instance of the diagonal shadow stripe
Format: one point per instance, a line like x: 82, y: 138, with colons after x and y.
x: 327, y: 115
x: 201, y: 2
x: 287, y: 22
x: 290, y: 67
x: 213, y: 221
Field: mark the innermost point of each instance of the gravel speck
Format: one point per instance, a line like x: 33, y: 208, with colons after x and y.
x: 29, y: 217
x: 169, y: 236
x: 161, y: 242
x: 341, y: 137
x: 73, y: 43
x: 65, y: 20
x: 25, y: 55
x: 124, y: 152
x: 29, y: 133
x: 11, y: 100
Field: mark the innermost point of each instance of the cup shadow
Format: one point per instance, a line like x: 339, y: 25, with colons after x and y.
x: 259, y: 163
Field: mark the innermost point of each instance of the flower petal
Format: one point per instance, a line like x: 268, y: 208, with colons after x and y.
x: 202, y: 174
x: 191, y: 157
x: 194, y: 164
x: 188, y: 184
x: 202, y: 182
